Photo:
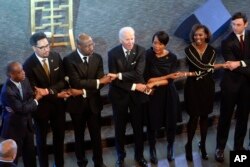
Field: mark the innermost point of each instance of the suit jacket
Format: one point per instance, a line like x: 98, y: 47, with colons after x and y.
x: 7, y: 164
x: 80, y: 78
x: 132, y: 70
x: 16, y: 123
x: 231, y: 51
x: 37, y: 77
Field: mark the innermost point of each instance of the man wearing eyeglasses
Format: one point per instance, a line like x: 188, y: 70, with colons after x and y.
x: 85, y: 70
x: 44, y: 69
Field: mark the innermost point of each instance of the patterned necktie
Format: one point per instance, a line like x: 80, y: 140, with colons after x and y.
x: 45, y: 67
x: 19, y: 86
x: 127, y: 54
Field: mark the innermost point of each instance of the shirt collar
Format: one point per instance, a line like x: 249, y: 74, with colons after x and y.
x: 125, y: 50
x: 81, y: 55
x: 16, y: 83
x: 41, y: 59
x: 238, y: 35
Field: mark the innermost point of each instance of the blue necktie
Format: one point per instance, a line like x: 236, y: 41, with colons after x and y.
x: 19, y: 86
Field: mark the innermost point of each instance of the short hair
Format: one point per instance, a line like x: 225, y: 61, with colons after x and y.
x: 200, y: 26
x: 36, y: 37
x: 240, y: 15
x: 162, y: 36
x: 9, y: 67
x: 125, y: 29
x: 8, y: 150
x: 81, y: 37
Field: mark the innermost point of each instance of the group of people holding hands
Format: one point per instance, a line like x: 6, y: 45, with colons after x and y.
x: 141, y: 85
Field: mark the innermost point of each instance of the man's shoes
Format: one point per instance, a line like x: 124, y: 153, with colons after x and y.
x: 142, y: 162
x: 239, y: 149
x: 153, y: 157
x: 170, y: 152
x: 83, y: 163
x: 102, y: 165
x: 219, y: 155
x: 119, y: 162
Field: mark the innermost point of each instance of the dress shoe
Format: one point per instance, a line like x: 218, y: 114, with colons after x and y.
x: 119, y: 162
x: 219, y: 155
x: 153, y: 157
x: 239, y: 149
x: 170, y: 152
x: 203, y: 151
x: 189, y: 154
x: 142, y: 162
x: 82, y: 164
x: 100, y: 165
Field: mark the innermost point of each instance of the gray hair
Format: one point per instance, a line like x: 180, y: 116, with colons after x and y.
x: 125, y: 29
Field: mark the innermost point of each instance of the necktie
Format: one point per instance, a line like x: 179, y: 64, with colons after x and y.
x: 85, y: 63
x: 241, y: 43
x: 127, y: 54
x: 45, y: 67
x: 19, y: 86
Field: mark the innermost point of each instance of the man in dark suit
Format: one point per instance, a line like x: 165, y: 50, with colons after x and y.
x: 8, y: 151
x: 18, y: 104
x: 235, y: 85
x: 126, y: 64
x: 85, y: 70
x: 44, y: 69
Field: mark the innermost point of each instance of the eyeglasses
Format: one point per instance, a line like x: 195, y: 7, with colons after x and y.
x: 43, y: 47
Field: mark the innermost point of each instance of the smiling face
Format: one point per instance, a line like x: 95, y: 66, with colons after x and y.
x: 200, y: 36
x: 158, y: 47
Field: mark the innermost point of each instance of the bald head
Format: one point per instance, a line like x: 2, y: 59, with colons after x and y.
x: 8, y: 150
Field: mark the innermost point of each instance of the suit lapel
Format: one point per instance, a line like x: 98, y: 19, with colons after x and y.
x: 79, y: 64
x: 14, y: 88
x: 38, y: 69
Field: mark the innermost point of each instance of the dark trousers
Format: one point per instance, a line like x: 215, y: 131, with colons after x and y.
x: 25, y: 145
x: 121, y: 117
x: 93, y: 122
x: 228, y: 102
x: 56, y: 121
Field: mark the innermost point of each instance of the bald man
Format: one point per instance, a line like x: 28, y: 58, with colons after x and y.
x: 8, y: 151
x: 84, y: 68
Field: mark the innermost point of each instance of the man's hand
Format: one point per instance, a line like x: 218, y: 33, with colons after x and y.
x: 140, y: 87
x: 42, y: 91
x: 39, y: 93
x: 63, y: 94
x: 105, y: 80
x: 112, y: 76
x: 233, y: 65
x: 75, y: 92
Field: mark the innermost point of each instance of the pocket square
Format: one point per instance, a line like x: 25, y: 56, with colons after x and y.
x: 133, y: 63
x: 56, y: 69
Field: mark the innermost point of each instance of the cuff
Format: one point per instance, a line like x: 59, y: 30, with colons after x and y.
x: 84, y: 95
x: 242, y: 63
x: 120, y: 76
x: 133, y: 87
x: 36, y: 102
x: 97, y: 84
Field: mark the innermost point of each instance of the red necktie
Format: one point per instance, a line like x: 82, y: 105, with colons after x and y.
x: 241, y: 43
